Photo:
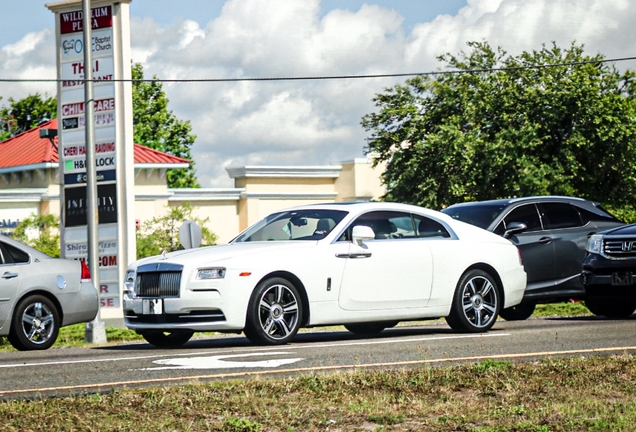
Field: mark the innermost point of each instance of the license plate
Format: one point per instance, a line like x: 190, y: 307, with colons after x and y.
x: 622, y: 278
x: 152, y: 306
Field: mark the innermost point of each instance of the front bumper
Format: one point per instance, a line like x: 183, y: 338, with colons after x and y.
x: 214, y: 306
x: 616, y: 276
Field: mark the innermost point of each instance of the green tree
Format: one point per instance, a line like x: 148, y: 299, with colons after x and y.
x: 162, y: 233
x: 157, y: 127
x: 24, y: 114
x: 524, y: 128
x: 40, y: 232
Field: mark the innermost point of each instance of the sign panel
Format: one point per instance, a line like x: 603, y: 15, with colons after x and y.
x: 77, y: 108
x: 73, y: 22
x: 75, y: 207
x: 73, y: 72
x: 73, y: 45
x: 80, y: 178
x: 80, y: 150
x: 79, y: 165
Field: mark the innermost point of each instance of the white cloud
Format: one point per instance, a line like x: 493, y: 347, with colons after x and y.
x: 32, y: 57
x: 318, y: 122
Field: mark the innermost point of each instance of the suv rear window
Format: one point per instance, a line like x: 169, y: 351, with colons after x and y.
x: 589, y: 216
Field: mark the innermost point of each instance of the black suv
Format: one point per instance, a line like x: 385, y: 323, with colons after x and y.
x: 551, y: 232
x: 609, y: 272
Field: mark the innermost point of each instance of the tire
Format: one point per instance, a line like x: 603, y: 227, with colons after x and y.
x: 520, y: 312
x: 274, y: 313
x: 167, y: 339
x: 35, y: 324
x: 476, y: 303
x: 615, y: 308
x: 370, y: 328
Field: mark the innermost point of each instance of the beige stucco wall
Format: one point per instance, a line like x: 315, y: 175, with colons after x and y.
x: 359, y: 181
x: 286, y: 185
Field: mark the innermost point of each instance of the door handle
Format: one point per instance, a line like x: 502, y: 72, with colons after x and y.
x: 354, y: 255
x: 8, y: 275
x: 545, y: 240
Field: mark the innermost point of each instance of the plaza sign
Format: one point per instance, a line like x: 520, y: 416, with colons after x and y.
x: 112, y: 96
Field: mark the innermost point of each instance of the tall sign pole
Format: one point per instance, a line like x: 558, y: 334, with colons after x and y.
x: 95, y: 330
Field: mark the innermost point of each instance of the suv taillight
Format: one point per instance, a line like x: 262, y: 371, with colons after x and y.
x: 520, y: 256
x: 86, y: 273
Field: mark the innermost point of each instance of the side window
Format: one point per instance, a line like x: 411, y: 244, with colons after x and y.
x: 526, y: 214
x: 588, y: 216
x: 561, y: 215
x: 15, y: 255
x: 429, y: 228
x: 385, y: 225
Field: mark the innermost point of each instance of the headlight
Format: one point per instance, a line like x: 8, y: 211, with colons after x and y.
x: 595, y: 244
x: 129, y: 281
x: 211, y: 273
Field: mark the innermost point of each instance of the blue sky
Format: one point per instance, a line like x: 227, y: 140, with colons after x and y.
x: 304, y: 122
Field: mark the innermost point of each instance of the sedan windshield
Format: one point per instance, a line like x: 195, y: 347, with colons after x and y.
x: 293, y: 225
x: 481, y: 215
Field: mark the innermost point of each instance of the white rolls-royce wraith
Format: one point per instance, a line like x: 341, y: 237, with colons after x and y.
x: 366, y: 266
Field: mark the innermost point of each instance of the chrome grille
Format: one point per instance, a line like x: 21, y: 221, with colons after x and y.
x: 158, y: 284
x: 620, y: 247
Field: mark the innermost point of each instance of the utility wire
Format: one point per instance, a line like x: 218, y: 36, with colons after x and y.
x: 337, y: 77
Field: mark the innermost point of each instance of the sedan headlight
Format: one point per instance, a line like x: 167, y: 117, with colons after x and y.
x: 211, y: 273
x: 595, y: 244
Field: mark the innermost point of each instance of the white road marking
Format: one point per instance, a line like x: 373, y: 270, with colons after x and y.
x: 220, y: 362
x: 252, y: 349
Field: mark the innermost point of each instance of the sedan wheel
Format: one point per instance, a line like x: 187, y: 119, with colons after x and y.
x: 274, y: 313
x: 476, y: 303
x: 35, y: 324
x: 167, y: 339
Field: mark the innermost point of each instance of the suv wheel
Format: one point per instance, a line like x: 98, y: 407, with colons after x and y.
x: 520, y: 312
x: 611, y: 307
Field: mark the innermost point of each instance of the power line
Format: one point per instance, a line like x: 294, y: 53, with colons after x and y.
x: 338, y: 77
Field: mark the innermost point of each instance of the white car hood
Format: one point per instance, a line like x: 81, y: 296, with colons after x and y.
x: 210, y: 254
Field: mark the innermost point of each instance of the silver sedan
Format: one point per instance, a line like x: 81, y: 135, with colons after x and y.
x: 40, y: 294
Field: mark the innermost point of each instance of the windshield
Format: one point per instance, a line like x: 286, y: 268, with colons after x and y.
x: 293, y: 225
x: 481, y: 215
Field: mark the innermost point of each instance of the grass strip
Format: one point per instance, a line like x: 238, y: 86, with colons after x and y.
x: 562, y: 394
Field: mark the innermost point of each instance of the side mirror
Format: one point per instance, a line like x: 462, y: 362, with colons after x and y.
x: 361, y: 233
x: 515, y: 228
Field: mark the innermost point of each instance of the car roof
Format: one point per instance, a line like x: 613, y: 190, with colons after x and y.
x: 349, y: 205
x: 538, y: 198
x: 364, y: 206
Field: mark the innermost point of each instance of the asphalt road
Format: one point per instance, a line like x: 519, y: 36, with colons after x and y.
x: 66, y: 371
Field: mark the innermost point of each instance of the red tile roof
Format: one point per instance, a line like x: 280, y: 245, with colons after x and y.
x: 28, y: 148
